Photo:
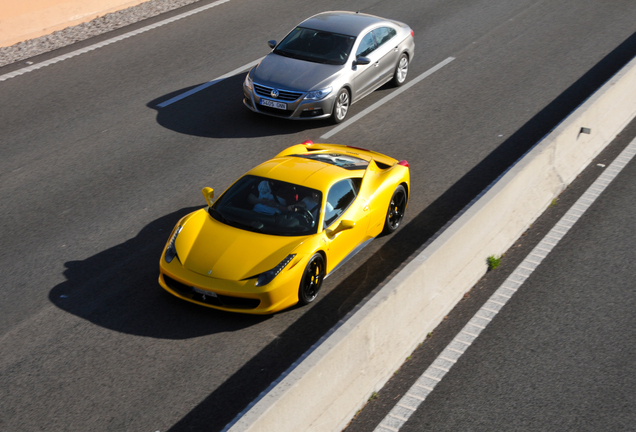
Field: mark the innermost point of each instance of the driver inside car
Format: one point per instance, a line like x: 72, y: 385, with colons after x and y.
x: 266, y: 203
x: 312, y: 203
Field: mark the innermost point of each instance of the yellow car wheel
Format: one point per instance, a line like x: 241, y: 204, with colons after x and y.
x: 312, y: 279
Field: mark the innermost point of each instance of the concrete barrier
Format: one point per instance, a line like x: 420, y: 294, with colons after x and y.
x: 324, y: 391
x: 28, y: 19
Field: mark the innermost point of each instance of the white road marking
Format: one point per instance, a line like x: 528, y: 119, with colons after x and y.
x: 209, y: 83
x: 109, y: 41
x: 390, y: 422
x: 386, y: 99
x: 333, y: 131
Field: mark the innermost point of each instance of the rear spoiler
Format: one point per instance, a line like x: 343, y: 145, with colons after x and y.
x: 307, y: 147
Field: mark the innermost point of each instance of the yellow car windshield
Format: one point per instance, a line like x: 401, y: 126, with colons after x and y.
x: 269, y: 206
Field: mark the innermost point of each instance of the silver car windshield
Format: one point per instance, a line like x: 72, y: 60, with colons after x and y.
x: 316, y: 46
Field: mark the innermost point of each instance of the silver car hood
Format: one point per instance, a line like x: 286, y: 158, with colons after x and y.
x: 291, y: 74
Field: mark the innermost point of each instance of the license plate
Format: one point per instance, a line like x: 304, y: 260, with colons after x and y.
x: 204, y: 292
x: 273, y: 104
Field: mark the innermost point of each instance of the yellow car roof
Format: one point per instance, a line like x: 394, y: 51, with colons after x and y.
x: 299, y: 165
x: 305, y: 172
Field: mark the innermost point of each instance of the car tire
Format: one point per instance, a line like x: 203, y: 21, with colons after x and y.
x: 312, y: 279
x: 341, y: 106
x: 401, y: 70
x: 395, y: 212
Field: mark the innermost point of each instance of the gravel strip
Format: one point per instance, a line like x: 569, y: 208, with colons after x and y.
x: 80, y: 32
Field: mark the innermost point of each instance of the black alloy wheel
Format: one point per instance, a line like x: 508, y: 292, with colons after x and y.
x: 395, y: 213
x: 312, y: 279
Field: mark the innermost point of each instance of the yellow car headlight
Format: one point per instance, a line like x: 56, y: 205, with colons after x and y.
x: 171, y: 250
x: 268, y: 276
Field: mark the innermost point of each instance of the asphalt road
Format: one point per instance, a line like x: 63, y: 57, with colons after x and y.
x: 93, y: 176
x: 561, y: 354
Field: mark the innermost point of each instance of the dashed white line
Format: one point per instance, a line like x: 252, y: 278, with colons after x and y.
x: 209, y: 83
x: 334, y: 130
x: 384, y: 100
x: 600, y: 184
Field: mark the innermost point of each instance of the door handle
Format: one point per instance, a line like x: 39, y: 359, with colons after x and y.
x: 376, y: 64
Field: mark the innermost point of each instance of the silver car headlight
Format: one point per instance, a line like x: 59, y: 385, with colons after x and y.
x: 248, y: 79
x: 268, y: 276
x: 318, y: 94
x: 171, y: 250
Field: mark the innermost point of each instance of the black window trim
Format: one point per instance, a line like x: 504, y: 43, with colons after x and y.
x: 356, y: 191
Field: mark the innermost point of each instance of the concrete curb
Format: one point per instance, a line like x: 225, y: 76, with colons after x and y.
x: 334, y: 380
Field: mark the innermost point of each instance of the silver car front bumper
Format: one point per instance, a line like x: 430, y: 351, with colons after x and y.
x: 289, y: 104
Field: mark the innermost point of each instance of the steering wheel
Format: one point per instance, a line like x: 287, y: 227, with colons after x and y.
x: 305, y: 214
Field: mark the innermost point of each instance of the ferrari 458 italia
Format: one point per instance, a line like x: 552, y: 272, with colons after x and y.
x: 271, y: 238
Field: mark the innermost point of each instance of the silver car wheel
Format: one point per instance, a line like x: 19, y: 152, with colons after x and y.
x: 341, y: 106
x: 401, y: 70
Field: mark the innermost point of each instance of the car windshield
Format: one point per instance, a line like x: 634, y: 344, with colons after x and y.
x: 316, y: 46
x: 269, y: 206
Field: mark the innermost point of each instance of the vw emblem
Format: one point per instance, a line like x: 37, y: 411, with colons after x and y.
x: 274, y: 93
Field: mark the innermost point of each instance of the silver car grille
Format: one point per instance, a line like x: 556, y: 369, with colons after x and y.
x: 284, y: 95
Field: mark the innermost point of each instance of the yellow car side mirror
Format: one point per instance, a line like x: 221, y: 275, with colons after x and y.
x: 208, y: 194
x: 342, y: 226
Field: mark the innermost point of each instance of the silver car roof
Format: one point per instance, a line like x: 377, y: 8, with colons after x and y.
x: 348, y: 23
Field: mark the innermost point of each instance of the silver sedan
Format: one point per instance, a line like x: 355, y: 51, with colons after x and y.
x: 327, y: 63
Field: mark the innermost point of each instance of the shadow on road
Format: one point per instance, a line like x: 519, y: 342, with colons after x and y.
x: 118, y: 289
x: 218, y: 112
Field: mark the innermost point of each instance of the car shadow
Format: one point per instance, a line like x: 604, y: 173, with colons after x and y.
x: 118, y: 289
x: 218, y: 112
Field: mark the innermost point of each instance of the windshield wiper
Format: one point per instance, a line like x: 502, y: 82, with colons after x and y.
x: 284, y: 53
x: 298, y: 56
x: 217, y: 215
x: 248, y: 226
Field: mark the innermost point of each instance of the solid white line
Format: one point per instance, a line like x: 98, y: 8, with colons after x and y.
x: 402, y: 419
x: 209, y: 83
x: 469, y: 334
x: 615, y: 169
x: 386, y: 99
x: 439, y: 368
x: 405, y: 407
x: 109, y: 41
x: 424, y: 387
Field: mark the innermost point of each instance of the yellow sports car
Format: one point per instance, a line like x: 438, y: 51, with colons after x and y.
x: 271, y: 238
